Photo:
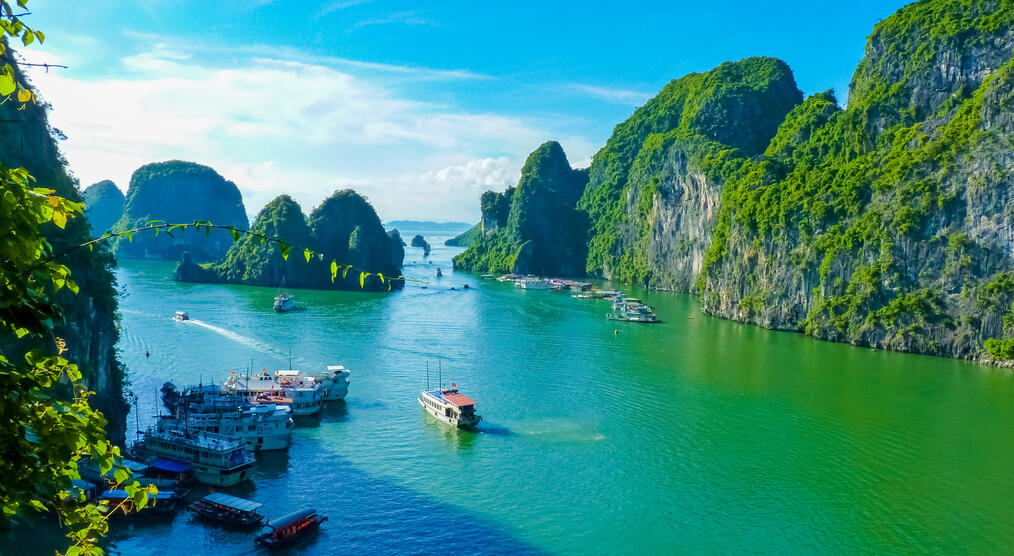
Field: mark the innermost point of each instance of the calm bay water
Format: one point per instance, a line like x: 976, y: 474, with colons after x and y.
x: 695, y: 435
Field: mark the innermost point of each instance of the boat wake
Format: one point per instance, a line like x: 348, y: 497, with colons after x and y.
x: 245, y: 340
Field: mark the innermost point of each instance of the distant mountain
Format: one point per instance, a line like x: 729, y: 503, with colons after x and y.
x: 103, y: 206
x: 179, y: 192
x: 427, y: 226
x: 344, y: 228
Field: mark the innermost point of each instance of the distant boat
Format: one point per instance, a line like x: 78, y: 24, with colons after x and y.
x: 181, y: 315
x: 288, y: 528
x: 450, y: 406
x: 533, y: 284
x: 438, y: 273
x: 227, y: 509
x: 285, y: 302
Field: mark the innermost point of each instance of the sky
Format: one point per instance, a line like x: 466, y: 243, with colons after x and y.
x: 418, y: 106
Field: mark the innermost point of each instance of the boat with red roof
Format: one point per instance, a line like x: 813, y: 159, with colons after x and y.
x: 450, y: 406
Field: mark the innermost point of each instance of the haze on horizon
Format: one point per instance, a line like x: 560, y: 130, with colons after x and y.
x: 419, y: 108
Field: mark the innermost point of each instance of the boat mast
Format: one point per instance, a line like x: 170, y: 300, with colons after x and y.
x: 440, y: 380
x: 427, y: 375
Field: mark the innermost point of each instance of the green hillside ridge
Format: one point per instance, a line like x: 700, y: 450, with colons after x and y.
x: 344, y: 228
x: 179, y: 192
x: 467, y: 238
x: 103, y: 206
x: 534, y: 227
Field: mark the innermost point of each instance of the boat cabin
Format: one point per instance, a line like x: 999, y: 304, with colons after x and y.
x: 288, y: 528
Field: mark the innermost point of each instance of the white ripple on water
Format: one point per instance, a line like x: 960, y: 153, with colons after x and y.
x: 244, y: 340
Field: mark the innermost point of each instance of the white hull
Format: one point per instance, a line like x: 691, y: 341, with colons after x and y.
x: 441, y: 416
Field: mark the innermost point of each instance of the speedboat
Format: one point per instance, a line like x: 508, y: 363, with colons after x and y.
x: 450, y: 406
x: 181, y: 315
x: 285, y: 302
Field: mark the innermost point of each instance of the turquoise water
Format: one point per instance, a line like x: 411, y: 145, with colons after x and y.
x: 695, y: 435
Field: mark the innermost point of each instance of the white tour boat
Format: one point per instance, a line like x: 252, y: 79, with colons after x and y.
x: 334, y: 382
x: 213, y: 459
x: 262, y: 427
x: 302, y: 394
x: 534, y: 284
x: 450, y: 406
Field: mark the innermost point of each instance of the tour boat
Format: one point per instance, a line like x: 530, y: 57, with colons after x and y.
x: 213, y: 459
x: 181, y: 315
x: 121, y: 504
x: 450, y: 406
x: 263, y: 426
x: 289, y: 528
x: 630, y: 316
x: 534, y: 284
x: 303, y: 394
x: 334, y: 382
x: 229, y: 510
x: 285, y: 302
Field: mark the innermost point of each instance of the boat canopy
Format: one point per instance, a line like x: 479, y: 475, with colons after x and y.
x: 169, y: 465
x: 289, y: 519
x: 117, y: 494
x: 240, y: 504
x: 133, y: 466
x: 459, y: 400
x: 336, y: 367
x: 287, y: 372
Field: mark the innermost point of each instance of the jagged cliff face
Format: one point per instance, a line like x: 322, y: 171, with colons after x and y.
x: 655, y: 188
x: 179, y: 192
x: 887, y: 224
x: 89, y: 326
x: 344, y: 228
x: 103, y: 206
x: 535, y: 227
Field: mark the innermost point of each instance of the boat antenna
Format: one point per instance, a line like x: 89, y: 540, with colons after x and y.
x: 427, y: 375
x: 440, y: 380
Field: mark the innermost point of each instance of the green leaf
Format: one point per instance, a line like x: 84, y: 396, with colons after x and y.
x: 381, y: 277
x: 235, y: 234
x: 41, y: 36
x: 307, y: 254
x: 155, y: 222
x: 39, y: 505
x: 28, y: 38
x: 121, y: 475
x: 285, y: 247
x: 346, y: 271
x: 130, y: 236
x: 334, y: 271
x: 362, y: 280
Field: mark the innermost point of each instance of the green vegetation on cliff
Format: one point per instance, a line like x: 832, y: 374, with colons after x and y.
x: 344, y: 228
x: 535, y: 227
x: 103, y: 206
x: 184, y: 192
x: 467, y: 238
x: 735, y: 107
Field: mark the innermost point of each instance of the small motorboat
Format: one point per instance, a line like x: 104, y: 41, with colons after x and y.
x: 285, y: 302
x: 438, y: 273
x: 289, y: 528
x: 229, y: 510
x: 181, y: 315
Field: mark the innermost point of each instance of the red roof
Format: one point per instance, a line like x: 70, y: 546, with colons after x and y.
x: 457, y: 399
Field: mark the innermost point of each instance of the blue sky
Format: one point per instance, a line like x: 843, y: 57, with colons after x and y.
x: 420, y: 106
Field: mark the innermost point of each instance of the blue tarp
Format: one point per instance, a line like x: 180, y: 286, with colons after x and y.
x: 169, y: 465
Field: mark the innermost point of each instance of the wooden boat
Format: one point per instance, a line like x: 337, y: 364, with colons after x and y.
x: 229, y: 510
x: 289, y: 528
x: 121, y: 505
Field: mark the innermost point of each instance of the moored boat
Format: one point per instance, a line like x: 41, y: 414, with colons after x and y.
x: 212, y: 459
x: 302, y: 394
x: 289, y: 528
x: 450, y: 406
x: 334, y: 382
x: 533, y: 284
x: 229, y: 510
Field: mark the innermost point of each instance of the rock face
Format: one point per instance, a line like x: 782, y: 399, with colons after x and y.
x: 882, y: 224
x: 103, y: 206
x: 344, y: 228
x: 89, y: 325
x: 179, y: 192
x: 420, y: 241
x: 534, y: 227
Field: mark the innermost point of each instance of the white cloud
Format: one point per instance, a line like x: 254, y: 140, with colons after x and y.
x: 280, y: 126
x: 608, y: 94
